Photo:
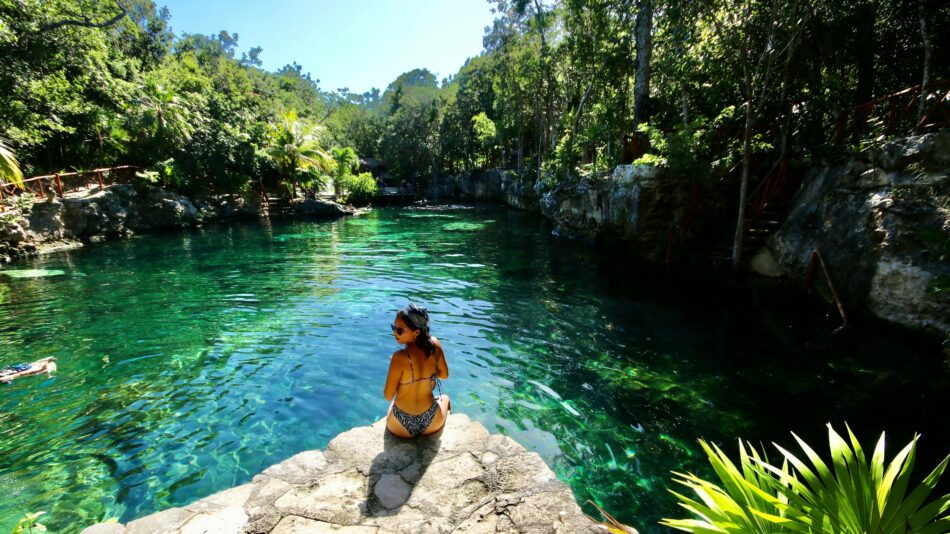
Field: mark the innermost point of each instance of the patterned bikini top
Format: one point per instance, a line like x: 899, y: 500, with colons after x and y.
x: 434, y: 378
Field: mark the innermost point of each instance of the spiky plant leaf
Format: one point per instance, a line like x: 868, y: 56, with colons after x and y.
x: 851, y: 496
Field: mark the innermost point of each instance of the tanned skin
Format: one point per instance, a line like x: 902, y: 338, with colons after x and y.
x: 416, y: 397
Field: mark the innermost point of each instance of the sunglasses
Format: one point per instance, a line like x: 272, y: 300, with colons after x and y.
x: 397, y: 329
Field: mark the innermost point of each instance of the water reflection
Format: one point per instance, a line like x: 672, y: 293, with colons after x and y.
x: 190, y: 362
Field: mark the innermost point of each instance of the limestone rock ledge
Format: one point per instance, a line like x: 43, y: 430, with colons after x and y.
x: 459, y: 480
x: 121, y: 210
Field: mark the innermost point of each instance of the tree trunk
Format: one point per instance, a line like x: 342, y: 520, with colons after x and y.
x: 786, y: 111
x: 744, y: 184
x: 641, y: 86
x: 577, y: 116
x: 520, y: 147
x: 684, y: 102
x: 542, y: 77
x: 926, y: 79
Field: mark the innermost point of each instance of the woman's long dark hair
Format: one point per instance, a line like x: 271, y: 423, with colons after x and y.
x: 417, y: 317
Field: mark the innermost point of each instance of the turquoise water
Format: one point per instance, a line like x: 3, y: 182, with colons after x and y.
x: 188, y: 362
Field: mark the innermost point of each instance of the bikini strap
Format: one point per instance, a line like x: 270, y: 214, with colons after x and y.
x: 412, y: 372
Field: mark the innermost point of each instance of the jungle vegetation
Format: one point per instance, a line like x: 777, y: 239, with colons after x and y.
x: 719, y: 89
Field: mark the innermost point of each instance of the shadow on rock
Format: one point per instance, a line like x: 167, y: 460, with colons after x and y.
x: 395, y: 471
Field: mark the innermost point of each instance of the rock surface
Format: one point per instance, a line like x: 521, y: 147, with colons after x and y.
x: 461, y: 479
x: 882, y: 223
x: 496, y: 185
x: 630, y: 204
x: 121, y: 210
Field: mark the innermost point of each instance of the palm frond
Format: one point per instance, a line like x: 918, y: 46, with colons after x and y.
x: 9, y: 166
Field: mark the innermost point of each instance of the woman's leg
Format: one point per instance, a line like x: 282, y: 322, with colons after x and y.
x: 441, y: 416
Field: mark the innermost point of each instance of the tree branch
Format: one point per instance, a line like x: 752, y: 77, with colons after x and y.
x: 86, y: 23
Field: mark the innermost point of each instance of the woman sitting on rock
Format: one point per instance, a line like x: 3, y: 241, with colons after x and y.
x: 414, y: 372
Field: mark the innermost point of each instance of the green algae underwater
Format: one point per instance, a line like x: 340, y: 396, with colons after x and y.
x: 190, y: 362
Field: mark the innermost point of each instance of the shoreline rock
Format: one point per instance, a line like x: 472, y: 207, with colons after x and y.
x: 120, y: 210
x: 882, y: 224
x: 880, y: 218
x: 460, y: 480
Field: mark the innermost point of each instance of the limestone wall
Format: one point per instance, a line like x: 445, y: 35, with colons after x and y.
x: 120, y: 210
x: 882, y: 223
x: 461, y: 479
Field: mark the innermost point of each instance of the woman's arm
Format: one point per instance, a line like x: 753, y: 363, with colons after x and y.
x: 392, y: 379
x: 443, y: 366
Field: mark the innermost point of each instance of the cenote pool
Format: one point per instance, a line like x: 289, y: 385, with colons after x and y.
x: 189, y: 362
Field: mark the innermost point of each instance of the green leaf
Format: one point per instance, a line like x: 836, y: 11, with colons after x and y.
x: 911, y: 507
x: 890, y: 494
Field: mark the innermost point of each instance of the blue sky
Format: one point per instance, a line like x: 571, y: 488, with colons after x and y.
x: 357, y: 44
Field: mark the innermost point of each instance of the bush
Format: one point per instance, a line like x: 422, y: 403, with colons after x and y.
x: 850, y: 496
x: 360, y: 189
x: 166, y: 174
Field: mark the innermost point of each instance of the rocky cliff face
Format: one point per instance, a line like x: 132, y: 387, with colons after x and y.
x: 461, y: 479
x: 630, y: 204
x: 495, y: 185
x: 882, y: 222
x: 121, y: 210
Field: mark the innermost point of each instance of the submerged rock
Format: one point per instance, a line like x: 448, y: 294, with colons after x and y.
x: 461, y: 479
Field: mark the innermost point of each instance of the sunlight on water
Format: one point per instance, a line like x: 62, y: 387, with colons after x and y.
x: 190, y: 362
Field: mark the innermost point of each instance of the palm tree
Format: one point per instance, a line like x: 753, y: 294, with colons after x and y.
x: 9, y: 167
x: 295, y: 149
x: 346, y: 162
x: 167, y: 119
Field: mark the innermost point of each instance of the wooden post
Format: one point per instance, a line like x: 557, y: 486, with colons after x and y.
x: 99, y: 178
x: 59, y: 185
x: 3, y: 207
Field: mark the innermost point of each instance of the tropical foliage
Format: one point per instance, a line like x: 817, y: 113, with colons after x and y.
x: 724, y: 88
x: 360, y: 189
x: 346, y: 161
x: 9, y: 167
x: 848, y: 495
x: 294, y: 148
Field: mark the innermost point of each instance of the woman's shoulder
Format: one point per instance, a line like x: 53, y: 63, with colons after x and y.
x: 399, y: 355
x: 435, y: 341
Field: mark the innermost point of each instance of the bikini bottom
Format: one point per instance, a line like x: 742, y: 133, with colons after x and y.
x: 416, y: 424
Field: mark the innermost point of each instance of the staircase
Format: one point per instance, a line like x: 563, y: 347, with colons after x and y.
x: 759, y: 229
x: 278, y: 207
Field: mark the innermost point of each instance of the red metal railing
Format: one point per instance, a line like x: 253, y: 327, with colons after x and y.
x: 776, y: 186
x: 897, y: 113
x: 817, y: 260
x: 61, y: 183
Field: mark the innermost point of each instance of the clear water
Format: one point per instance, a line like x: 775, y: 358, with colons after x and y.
x: 188, y: 362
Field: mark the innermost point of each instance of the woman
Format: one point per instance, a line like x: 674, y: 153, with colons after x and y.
x: 12, y: 372
x: 414, y: 372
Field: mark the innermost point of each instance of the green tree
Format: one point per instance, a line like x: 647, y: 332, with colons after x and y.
x: 294, y: 149
x: 485, y: 133
x: 164, y: 120
x: 410, y: 141
x: 345, y: 162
